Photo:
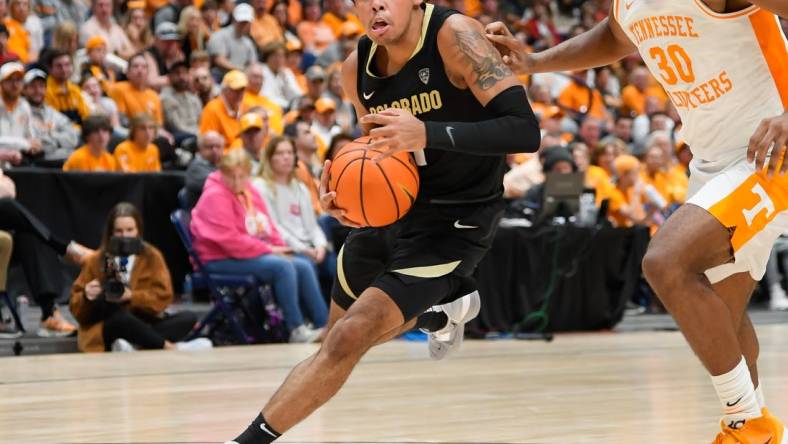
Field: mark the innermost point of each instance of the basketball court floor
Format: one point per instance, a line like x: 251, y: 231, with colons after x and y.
x: 612, y: 388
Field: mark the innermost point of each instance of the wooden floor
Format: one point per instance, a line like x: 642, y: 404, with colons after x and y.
x: 586, y: 388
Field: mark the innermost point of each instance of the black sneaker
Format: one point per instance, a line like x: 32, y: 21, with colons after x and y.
x: 7, y: 331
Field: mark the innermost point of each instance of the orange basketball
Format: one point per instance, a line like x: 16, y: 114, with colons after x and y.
x: 373, y: 195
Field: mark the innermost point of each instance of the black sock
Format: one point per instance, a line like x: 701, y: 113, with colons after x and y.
x: 258, y: 432
x: 432, y: 321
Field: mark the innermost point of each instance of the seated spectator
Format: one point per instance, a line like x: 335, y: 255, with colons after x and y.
x: 65, y: 37
x: 209, y: 12
x: 315, y: 84
x: 137, y: 28
x: 557, y: 160
x: 325, y: 125
x: 170, y: 12
x: 315, y: 34
x: 633, y: 96
x: 623, y: 130
x: 581, y: 99
x: 231, y: 48
x: 345, y: 114
x: 182, y: 108
x: 253, y: 134
x: 265, y: 27
x: 6, y: 54
x: 102, y: 23
x: 226, y: 8
x: 33, y: 25
x: 138, y: 154
x: 778, y: 299
x: 210, y: 147
x: 62, y: 94
x: 290, y: 206
x: 683, y: 157
x: 16, y: 118
x: 634, y: 202
x: 194, y: 33
x: 101, y: 104
x: 203, y: 84
x: 294, y: 60
x: 163, y: 54
x: 222, y: 113
x: 308, y: 167
x: 590, y: 131
x: 655, y: 173
x: 99, y: 64
x: 253, y: 98
x: 137, y: 319
x: 609, y: 86
x: 36, y: 249
x: 540, y: 29
x: 55, y: 12
x: 55, y: 131
x: 280, y: 83
x: 93, y: 156
x: 19, y: 40
x: 233, y: 233
x: 337, y: 15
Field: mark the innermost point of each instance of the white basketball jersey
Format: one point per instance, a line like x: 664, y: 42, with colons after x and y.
x: 724, y: 72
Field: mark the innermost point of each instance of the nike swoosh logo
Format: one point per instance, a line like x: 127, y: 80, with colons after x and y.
x: 368, y: 96
x: 629, y: 4
x: 460, y: 226
x: 263, y: 428
x: 734, y: 403
x: 449, y: 129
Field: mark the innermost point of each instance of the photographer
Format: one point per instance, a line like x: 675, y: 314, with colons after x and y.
x: 120, y: 296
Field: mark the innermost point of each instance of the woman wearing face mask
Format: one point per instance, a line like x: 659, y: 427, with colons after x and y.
x: 234, y: 234
x: 134, y: 318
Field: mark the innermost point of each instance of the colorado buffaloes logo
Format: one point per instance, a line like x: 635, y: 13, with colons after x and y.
x: 424, y: 75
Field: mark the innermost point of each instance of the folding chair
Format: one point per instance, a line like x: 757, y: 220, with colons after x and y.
x: 221, y: 286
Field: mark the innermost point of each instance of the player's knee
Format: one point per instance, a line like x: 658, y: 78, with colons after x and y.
x: 659, y: 268
x: 347, y: 338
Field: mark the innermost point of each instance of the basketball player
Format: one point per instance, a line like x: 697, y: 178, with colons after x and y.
x: 724, y: 65
x: 427, y: 78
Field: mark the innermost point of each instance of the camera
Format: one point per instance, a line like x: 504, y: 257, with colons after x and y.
x: 112, y: 284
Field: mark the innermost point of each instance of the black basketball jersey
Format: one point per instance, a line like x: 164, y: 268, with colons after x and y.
x: 423, y: 87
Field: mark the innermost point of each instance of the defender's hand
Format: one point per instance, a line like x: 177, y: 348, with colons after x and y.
x: 771, y: 134
x: 398, y: 130
x: 327, y: 200
x: 511, y: 48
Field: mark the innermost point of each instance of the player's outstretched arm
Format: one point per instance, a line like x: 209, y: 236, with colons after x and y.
x: 602, y: 45
x: 779, y: 7
x: 470, y: 61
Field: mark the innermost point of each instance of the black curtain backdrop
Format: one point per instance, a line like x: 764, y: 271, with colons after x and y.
x: 75, y: 206
x: 596, y: 271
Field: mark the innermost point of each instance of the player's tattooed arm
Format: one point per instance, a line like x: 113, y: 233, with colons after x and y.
x: 471, y: 60
x: 483, y: 58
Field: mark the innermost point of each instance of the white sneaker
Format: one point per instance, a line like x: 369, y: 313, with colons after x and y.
x: 122, y: 346
x: 779, y: 300
x: 304, y: 335
x: 198, y: 344
x: 449, y: 339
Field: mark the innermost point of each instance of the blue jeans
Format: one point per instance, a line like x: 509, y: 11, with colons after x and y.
x: 294, y: 281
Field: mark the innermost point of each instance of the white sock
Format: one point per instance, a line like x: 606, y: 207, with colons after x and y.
x: 737, y: 395
x: 759, y: 395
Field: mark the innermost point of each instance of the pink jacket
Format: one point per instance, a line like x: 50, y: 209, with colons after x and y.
x: 219, y: 224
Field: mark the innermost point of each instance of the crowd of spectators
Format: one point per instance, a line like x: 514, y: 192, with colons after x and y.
x: 134, y: 86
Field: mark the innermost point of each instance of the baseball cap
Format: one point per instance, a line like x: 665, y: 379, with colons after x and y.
x: 553, y: 111
x: 294, y: 45
x: 243, y: 13
x: 315, y: 72
x: 34, y: 74
x: 234, y: 80
x: 135, y: 4
x: 95, y: 42
x: 324, y: 104
x: 251, y: 120
x: 167, y: 31
x: 350, y: 29
x: 10, y: 69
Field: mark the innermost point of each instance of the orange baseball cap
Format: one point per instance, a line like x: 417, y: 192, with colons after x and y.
x: 324, y: 104
x: 251, y: 120
x: 95, y: 42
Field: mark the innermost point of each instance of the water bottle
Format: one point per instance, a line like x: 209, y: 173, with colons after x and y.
x: 588, y: 210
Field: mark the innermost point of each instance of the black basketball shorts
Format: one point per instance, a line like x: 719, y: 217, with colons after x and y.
x: 426, y: 258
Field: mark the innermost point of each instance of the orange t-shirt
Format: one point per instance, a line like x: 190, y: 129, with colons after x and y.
x: 265, y: 30
x: 598, y: 179
x: 135, y: 159
x: 18, y: 39
x: 576, y: 97
x: 634, y: 101
x: 275, y: 116
x: 132, y: 101
x: 83, y: 160
x: 215, y: 117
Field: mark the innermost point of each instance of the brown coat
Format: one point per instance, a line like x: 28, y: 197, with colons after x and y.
x: 151, y: 293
